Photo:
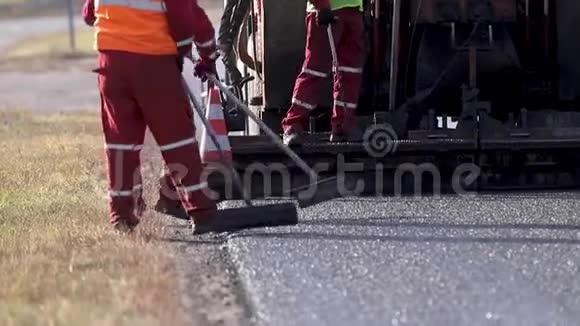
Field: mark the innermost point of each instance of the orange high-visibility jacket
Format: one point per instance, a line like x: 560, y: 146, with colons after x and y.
x: 154, y: 27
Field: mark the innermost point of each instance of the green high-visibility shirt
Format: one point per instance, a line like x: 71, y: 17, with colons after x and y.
x: 339, y: 4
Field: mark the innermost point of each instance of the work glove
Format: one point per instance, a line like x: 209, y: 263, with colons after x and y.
x: 204, y: 67
x: 89, y: 12
x: 325, y: 17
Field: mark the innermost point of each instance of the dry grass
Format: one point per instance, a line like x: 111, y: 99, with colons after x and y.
x: 12, y: 2
x: 10, y: 9
x: 56, y: 44
x: 51, y: 52
x: 60, y: 262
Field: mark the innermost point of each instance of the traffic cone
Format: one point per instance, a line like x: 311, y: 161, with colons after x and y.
x: 215, y: 115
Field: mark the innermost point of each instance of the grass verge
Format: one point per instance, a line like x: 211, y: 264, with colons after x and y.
x: 51, y: 52
x: 56, y: 44
x: 12, y: 2
x: 60, y: 263
x: 10, y: 9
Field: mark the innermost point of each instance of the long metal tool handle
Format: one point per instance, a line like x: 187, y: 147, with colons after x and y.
x: 212, y: 135
x: 271, y: 134
x: 395, y: 51
x: 335, y: 63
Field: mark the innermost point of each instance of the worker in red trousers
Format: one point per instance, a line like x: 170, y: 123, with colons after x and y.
x: 346, y: 19
x: 142, y: 45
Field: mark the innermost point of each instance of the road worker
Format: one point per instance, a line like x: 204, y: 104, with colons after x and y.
x: 231, y: 22
x: 141, y: 45
x: 346, y: 19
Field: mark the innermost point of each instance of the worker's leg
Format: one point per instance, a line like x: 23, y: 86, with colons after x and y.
x: 124, y: 131
x: 159, y: 91
x: 317, y: 66
x: 348, y: 77
x: 167, y: 189
x: 233, y: 16
x: 169, y: 201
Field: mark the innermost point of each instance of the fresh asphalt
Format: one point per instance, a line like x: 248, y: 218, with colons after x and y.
x: 495, y: 259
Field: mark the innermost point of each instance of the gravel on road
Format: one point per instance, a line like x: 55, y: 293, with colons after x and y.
x: 498, y: 259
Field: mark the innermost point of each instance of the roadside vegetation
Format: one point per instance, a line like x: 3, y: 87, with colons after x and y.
x: 60, y: 262
x: 12, y: 2
x: 54, y: 45
x: 51, y: 52
x: 30, y: 8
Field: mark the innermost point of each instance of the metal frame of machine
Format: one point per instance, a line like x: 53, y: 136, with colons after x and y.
x: 533, y: 144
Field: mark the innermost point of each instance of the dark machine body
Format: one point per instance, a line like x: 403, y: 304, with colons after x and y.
x: 494, y: 84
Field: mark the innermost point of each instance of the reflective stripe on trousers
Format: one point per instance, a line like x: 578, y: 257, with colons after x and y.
x: 124, y: 147
x: 314, y: 73
x: 303, y: 104
x: 345, y: 104
x: 178, y: 144
x: 352, y: 70
x: 125, y: 193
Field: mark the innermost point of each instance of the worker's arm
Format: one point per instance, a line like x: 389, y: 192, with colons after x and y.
x: 89, y: 12
x: 204, y: 34
x: 321, y: 4
x: 189, y: 23
x: 324, y: 15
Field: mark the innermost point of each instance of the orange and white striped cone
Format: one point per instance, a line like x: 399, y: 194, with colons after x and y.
x: 215, y: 116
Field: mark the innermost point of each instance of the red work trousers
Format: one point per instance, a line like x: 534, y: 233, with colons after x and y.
x: 348, y: 36
x: 139, y: 91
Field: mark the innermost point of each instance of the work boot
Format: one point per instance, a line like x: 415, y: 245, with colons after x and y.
x: 293, y: 136
x: 203, y: 228
x: 125, y: 226
x: 205, y: 221
x: 346, y: 135
x: 171, y: 207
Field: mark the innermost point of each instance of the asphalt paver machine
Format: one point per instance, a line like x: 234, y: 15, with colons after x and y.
x: 470, y: 94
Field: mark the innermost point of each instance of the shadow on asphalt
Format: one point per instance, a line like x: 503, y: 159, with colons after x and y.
x: 481, y: 196
x: 382, y: 222
x: 418, y: 239
x: 191, y: 241
x: 401, y: 222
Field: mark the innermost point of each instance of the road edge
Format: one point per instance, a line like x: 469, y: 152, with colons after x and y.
x: 212, y: 292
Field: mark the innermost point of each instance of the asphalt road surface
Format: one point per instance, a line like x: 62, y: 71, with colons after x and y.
x: 488, y: 260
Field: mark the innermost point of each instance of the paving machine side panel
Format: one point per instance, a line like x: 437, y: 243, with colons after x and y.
x: 283, y: 36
